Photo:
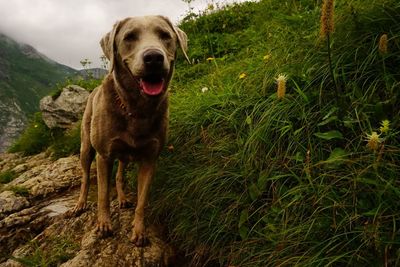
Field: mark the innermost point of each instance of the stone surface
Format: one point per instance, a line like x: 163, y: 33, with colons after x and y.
x: 40, y: 222
x: 66, y: 109
x: 9, y: 202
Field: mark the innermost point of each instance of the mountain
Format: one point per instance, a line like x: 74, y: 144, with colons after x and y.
x: 25, y: 76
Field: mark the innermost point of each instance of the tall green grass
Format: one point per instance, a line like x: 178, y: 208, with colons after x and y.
x: 257, y: 181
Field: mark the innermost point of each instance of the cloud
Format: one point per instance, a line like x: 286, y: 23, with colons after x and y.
x: 69, y: 31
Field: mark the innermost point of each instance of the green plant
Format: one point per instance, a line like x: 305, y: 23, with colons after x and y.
x: 36, y: 137
x: 54, y: 252
x: 7, y: 176
x: 19, y: 190
x: 257, y: 181
x: 68, y: 143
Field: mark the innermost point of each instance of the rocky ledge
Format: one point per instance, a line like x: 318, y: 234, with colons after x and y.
x: 36, y: 228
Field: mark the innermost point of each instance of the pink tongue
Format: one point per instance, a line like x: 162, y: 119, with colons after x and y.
x: 152, y: 88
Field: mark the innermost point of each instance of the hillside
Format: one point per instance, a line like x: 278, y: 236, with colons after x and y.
x: 25, y: 77
x: 284, y: 144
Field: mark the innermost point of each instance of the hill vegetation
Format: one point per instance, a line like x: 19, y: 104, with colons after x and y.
x: 25, y: 77
x: 26, y: 74
x: 306, y: 177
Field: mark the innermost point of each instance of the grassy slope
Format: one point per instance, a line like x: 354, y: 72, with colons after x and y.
x: 249, y: 181
x: 29, y: 79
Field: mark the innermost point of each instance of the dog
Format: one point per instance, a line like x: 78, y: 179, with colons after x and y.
x: 126, y: 117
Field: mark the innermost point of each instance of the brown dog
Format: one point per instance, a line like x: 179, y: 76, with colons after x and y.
x: 126, y: 118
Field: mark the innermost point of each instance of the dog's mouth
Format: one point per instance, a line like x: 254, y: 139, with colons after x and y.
x: 152, y: 86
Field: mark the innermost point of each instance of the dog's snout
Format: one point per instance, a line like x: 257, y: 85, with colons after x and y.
x: 153, y: 58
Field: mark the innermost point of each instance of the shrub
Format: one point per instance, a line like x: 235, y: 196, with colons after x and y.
x: 7, y: 176
x: 36, y: 137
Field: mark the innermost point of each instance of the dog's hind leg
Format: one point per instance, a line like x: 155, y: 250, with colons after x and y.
x: 122, y: 200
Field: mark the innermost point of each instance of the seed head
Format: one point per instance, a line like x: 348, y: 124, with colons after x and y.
x: 383, y: 43
x: 281, y: 81
x: 327, y: 22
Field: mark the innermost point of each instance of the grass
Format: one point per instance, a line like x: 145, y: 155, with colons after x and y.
x: 254, y: 180
x: 257, y: 181
x: 19, y: 190
x: 58, y: 250
x: 7, y: 176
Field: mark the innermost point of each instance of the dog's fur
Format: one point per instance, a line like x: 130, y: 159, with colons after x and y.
x: 122, y: 119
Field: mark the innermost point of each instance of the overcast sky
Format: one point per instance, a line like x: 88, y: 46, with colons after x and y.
x: 68, y: 31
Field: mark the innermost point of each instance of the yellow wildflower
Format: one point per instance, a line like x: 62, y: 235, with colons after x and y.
x: 242, y: 75
x: 384, y: 126
x: 210, y: 59
x: 281, y: 81
x: 373, y: 141
x: 267, y: 57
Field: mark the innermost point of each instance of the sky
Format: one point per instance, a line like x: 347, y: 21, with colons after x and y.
x: 69, y: 31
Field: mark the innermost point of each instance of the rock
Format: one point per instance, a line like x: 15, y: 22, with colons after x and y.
x: 41, y: 226
x: 84, y: 247
x: 9, y: 202
x: 48, y: 177
x: 12, y: 122
x: 66, y: 109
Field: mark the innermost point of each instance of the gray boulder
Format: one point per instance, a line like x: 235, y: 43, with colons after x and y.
x: 66, y: 109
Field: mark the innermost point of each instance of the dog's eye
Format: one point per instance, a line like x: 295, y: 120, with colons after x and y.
x: 131, y: 36
x: 166, y: 36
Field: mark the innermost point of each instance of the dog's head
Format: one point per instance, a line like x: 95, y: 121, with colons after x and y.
x: 146, y: 48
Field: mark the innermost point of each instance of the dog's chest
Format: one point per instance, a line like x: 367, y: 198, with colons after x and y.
x: 134, y: 133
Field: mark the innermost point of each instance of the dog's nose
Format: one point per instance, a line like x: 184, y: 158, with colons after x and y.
x: 153, y: 58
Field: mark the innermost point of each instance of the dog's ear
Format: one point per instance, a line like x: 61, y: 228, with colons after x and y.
x: 182, y: 40
x: 181, y: 36
x: 108, y: 45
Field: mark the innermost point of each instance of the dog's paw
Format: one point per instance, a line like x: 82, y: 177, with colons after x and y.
x: 139, y: 238
x: 124, y: 203
x: 104, y: 228
x: 79, y: 208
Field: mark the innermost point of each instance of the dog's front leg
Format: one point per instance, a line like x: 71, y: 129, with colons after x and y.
x: 146, y: 171
x: 104, y: 167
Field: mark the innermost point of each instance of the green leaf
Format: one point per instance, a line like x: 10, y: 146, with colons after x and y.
x: 297, y: 157
x: 262, y: 180
x: 243, y: 228
x: 329, y: 135
x: 337, y: 156
x: 330, y: 112
x: 328, y: 120
x: 300, y: 92
x: 254, y: 192
x: 244, y: 215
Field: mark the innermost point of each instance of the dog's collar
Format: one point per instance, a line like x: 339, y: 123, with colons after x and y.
x: 119, y: 102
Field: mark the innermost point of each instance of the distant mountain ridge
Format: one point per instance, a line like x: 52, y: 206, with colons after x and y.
x: 26, y: 75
